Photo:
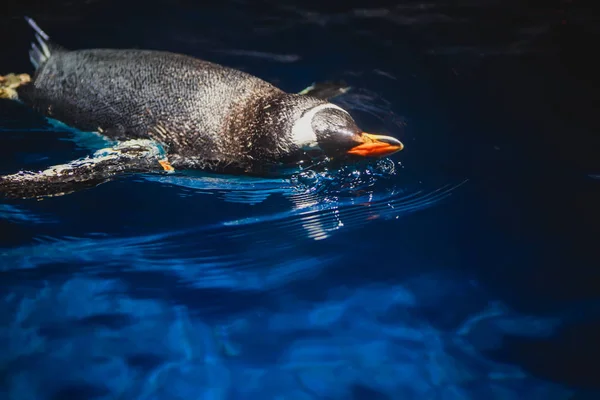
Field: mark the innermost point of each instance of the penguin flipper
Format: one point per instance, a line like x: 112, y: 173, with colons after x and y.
x: 134, y: 156
x: 326, y: 90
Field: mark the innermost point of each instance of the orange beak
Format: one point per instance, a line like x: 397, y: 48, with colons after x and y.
x: 376, y: 146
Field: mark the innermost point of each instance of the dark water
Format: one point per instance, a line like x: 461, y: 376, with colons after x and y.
x: 464, y: 267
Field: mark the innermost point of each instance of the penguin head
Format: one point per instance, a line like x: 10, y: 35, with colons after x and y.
x: 331, y: 130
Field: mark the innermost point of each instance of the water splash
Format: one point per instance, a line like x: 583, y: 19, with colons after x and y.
x: 322, y: 202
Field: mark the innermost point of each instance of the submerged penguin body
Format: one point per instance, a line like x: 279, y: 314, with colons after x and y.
x: 205, y: 115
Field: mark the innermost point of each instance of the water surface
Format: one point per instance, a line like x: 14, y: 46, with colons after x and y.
x: 462, y: 267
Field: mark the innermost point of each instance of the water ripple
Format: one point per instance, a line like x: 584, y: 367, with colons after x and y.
x: 320, y: 203
x: 313, y: 206
x: 18, y: 214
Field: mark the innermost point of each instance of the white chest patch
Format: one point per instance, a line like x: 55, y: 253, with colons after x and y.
x: 303, y: 134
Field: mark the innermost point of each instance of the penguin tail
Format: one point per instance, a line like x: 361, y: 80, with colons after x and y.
x: 42, y: 48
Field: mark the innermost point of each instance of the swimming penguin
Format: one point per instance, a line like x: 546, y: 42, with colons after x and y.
x: 202, y: 115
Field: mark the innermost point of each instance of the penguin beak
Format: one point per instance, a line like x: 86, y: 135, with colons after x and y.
x: 376, y: 146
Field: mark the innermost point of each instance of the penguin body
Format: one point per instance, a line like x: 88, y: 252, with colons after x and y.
x: 205, y: 115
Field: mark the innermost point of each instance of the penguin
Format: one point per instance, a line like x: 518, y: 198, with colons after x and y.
x: 203, y: 116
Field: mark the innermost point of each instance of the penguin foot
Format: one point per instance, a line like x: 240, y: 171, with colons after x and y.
x: 326, y: 90
x: 9, y: 83
x: 166, y: 165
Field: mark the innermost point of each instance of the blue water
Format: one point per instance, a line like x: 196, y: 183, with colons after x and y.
x: 463, y: 267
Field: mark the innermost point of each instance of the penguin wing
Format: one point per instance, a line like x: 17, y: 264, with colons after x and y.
x: 326, y: 90
x: 134, y: 156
